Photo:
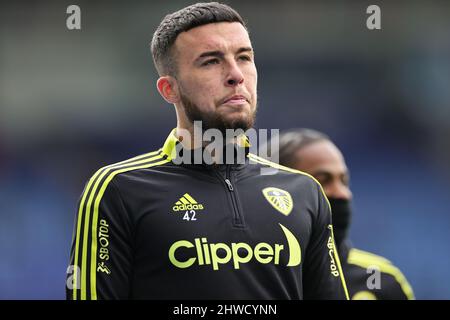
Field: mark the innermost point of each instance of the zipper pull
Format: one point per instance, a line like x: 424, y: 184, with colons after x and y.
x: 230, y: 186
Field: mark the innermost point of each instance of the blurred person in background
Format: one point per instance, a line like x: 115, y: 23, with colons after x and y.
x: 313, y: 152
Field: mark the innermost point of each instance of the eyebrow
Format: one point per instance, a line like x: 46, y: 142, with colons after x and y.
x: 220, y: 54
x: 321, y: 173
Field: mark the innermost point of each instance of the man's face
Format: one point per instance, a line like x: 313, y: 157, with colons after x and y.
x: 216, y: 76
x: 325, y: 162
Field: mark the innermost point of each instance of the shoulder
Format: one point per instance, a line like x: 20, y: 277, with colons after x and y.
x: 302, y: 182
x: 275, y: 168
x: 361, y: 257
x: 366, y: 259
x: 103, y: 176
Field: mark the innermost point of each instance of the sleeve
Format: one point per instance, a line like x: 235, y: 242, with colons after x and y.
x: 101, y: 252
x: 323, y: 277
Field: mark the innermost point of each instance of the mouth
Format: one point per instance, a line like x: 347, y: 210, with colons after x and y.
x: 236, y: 100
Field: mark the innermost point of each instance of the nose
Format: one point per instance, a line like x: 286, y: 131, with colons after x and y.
x: 338, y: 190
x: 234, y: 76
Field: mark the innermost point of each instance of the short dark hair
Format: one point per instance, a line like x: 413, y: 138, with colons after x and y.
x: 183, y: 20
x: 293, y: 140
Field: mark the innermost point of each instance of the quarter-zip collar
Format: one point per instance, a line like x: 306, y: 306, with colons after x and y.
x: 173, y: 149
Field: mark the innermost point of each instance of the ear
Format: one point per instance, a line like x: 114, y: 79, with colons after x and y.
x: 168, y: 89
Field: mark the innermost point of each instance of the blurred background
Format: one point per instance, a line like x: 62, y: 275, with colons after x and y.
x: 73, y: 101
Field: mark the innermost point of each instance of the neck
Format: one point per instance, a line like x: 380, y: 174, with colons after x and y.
x: 191, y: 137
x: 185, y: 131
x: 215, y: 148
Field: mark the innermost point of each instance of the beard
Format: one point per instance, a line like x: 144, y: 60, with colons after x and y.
x: 215, y: 120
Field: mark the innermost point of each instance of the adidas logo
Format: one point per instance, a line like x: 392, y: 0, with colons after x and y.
x: 186, y: 202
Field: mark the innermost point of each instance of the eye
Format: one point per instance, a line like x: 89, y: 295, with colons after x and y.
x: 324, y: 181
x: 210, y: 62
x: 245, y: 58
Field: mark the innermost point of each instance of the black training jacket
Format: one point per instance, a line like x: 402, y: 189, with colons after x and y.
x: 149, y: 228
x: 372, y: 277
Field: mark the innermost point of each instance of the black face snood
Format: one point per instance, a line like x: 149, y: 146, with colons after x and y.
x: 342, y: 216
